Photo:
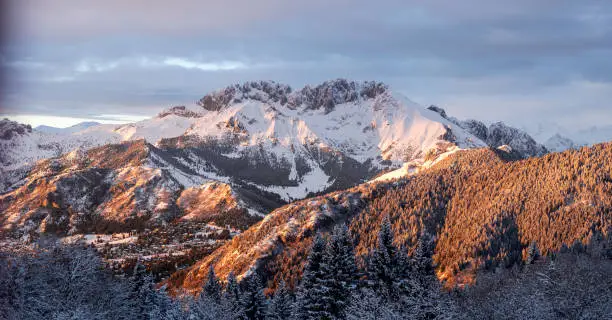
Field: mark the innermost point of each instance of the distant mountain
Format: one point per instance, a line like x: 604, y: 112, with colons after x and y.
x: 72, y: 129
x: 239, y: 152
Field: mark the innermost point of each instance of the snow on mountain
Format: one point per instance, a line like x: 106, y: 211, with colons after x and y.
x: 314, y: 133
x: 247, y: 147
x: 500, y: 134
x: 269, y: 144
x: 365, y: 123
x: 120, y: 187
x: 11, y: 129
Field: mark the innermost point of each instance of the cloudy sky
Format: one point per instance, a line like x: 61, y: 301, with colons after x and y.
x: 522, y: 61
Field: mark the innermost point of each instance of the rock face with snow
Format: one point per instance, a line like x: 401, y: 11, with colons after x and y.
x: 499, y: 134
x: 260, y: 143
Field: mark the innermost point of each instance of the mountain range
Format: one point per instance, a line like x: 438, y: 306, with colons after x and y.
x: 250, y: 147
x: 277, y: 165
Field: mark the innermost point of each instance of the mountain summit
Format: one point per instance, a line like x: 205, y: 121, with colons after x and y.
x: 261, y: 140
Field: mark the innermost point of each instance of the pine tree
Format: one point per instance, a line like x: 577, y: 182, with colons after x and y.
x: 369, y: 305
x: 339, y: 271
x: 280, y: 304
x: 212, y: 287
x: 232, y: 289
x: 206, y: 308
x: 165, y: 308
x: 385, y: 263
x: 232, y: 297
x: 253, y: 300
x: 311, y: 293
x: 10, y: 287
x: 421, y: 258
x: 143, y: 294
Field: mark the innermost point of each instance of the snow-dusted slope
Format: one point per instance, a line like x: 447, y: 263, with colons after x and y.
x: 29, y: 147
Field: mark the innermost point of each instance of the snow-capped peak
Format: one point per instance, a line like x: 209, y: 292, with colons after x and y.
x: 287, y: 142
x: 323, y: 96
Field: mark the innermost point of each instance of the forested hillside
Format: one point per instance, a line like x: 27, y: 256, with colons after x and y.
x: 482, y: 211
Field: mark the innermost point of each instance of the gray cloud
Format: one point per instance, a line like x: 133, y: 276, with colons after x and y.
x: 486, y: 59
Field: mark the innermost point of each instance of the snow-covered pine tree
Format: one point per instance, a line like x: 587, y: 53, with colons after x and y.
x: 206, y: 308
x: 232, y: 289
x: 253, y: 299
x: 143, y: 293
x: 366, y: 304
x: 10, y: 287
x: 280, y: 305
x: 63, y: 282
x: 421, y: 257
x: 165, y: 308
x: 384, y: 263
x: 311, y: 293
x: 339, y: 271
x: 232, y: 297
x: 212, y: 287
x: 419, y: 290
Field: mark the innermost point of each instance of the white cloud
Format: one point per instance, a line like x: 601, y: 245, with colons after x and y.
x: 205, y: 66
x: 89, y: 65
